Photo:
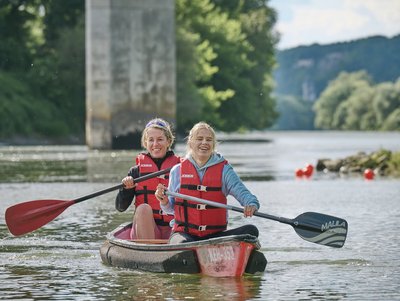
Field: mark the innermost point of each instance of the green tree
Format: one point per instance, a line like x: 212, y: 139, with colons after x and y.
x: 392, y: 122
x: 255, y: 84
x: 353, y: 102
x: 334, y: 98
x: 386, y: 100
x: 58, y: 75
x: 358, y: 104
x: 43, y: 47
x: 195, y: 60
x: 61, y: 16
x: 60, y: 63
x: 232, y: 46
x: 16, y: 36
x: 390, y: 106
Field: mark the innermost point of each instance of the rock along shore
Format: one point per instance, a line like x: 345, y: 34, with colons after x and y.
x: 383, y: 162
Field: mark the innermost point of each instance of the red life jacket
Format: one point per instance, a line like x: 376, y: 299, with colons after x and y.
x: 199, y: 219
x: 145, y: 190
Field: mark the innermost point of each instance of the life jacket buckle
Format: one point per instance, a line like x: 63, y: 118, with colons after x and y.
x: 201, y: 188
x: 201, y: 206
x: 202, y: 228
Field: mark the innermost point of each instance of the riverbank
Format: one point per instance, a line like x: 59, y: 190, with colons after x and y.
x: 383, y: 162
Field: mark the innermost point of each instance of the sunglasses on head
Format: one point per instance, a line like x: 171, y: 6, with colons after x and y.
x: 156, y: 122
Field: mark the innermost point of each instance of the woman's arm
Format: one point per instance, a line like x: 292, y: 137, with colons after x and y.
x: 233, y: 185
x: 173, y: 186
x: 125, y: 196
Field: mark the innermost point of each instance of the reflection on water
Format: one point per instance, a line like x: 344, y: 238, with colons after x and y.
x: 75, y: 283
x: 190, y: 287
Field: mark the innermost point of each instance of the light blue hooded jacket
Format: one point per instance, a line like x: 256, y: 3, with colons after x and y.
x: 231, y: 183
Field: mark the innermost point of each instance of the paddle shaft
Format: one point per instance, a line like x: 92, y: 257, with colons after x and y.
x: 137, y: 180
x: 314, y: 227
x: 230, y: 207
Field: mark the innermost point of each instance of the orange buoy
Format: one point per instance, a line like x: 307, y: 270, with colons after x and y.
x: 369, y: 174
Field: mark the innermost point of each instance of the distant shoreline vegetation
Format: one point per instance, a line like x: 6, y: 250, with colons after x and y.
x: 340, y: 86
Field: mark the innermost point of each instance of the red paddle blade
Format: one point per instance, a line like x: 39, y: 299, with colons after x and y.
x: 26, y: 217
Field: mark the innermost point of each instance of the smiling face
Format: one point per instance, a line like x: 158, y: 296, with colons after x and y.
x: 202, y: 145
x: 156, y: 142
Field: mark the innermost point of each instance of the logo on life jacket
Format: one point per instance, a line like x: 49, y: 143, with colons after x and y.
x: 146, y: 165
x: 187, y: 176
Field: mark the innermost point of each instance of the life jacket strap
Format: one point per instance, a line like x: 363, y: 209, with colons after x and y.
x: 144, y: 191
x: 160, y: 212
x: 200, y: 227
x: 200, y: 187
x: 161, y: 222
x: 195, y: 206
x: 164, y: 176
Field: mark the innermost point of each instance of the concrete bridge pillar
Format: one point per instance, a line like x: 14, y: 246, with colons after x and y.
x: 130, y: 69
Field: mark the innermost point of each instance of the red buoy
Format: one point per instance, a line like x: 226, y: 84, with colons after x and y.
x: 369, y: 174
x: 308, y: 170
x: 299, y: 172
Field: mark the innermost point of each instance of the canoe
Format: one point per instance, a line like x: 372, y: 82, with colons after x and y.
x: 229, y: 256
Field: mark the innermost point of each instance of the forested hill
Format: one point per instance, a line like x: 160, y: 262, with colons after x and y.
x: 303, y: 72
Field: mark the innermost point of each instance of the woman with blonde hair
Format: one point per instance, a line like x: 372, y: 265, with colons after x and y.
x: 204, y: 173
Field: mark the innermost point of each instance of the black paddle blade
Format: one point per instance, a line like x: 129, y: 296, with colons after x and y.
x: 321, y: 229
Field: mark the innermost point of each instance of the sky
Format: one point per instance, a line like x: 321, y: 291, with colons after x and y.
x: 304, y: 22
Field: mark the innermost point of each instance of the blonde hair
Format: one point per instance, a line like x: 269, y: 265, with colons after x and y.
x: 161, y: 124
x: 197, y: 127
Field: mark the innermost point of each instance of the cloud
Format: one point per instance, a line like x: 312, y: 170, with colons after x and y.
x: 385, y: 13
x: 315, y: 21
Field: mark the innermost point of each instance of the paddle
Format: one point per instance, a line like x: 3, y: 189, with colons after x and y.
x: 315, y: 227
x: 28, y: 216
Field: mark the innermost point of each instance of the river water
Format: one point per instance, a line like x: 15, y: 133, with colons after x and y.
x: 61, y: 260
